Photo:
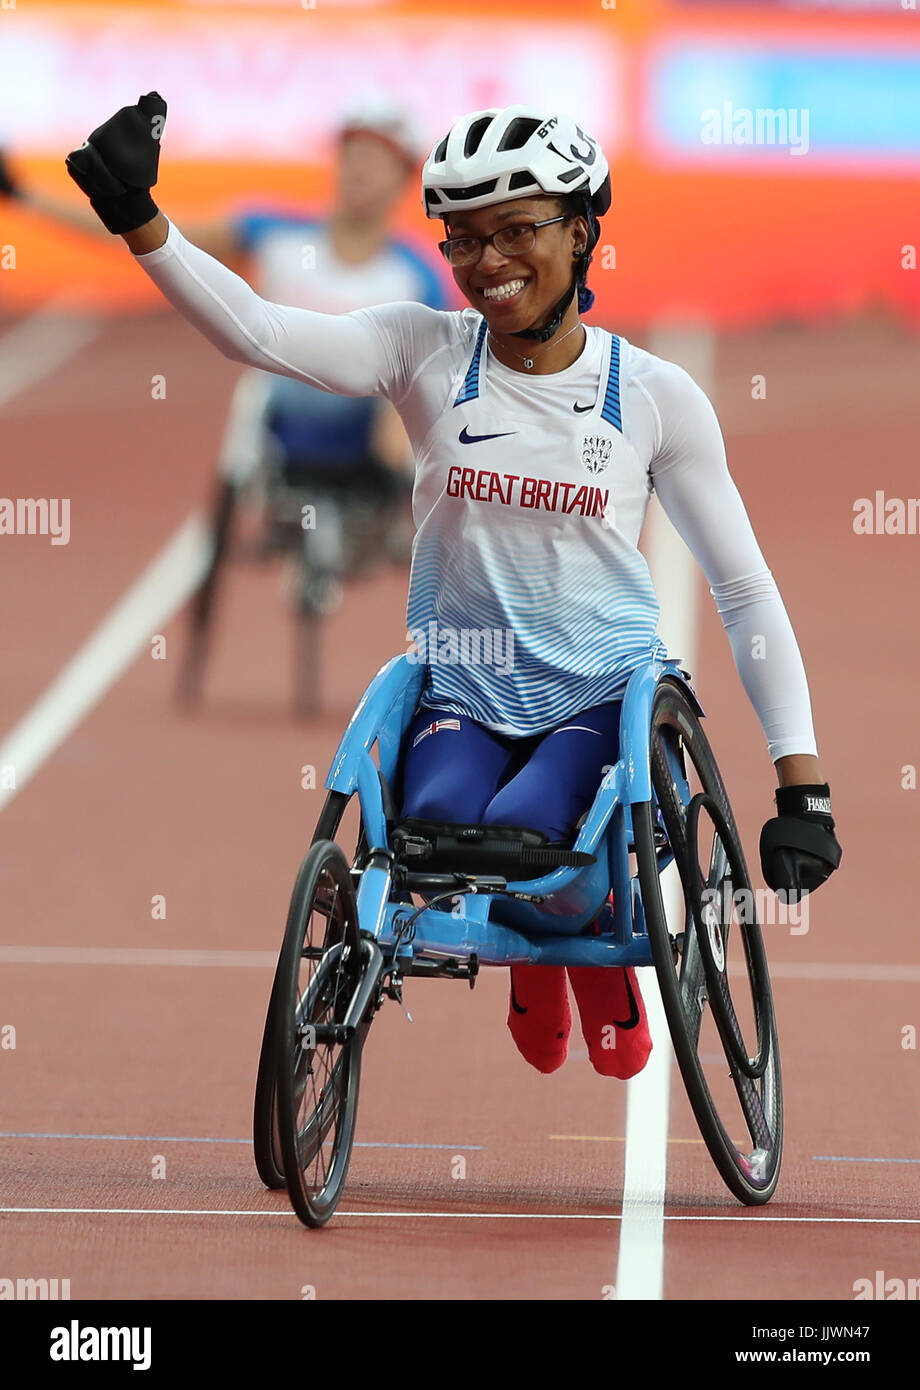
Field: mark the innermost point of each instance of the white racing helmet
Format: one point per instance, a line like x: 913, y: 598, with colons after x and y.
x: 488, y: 157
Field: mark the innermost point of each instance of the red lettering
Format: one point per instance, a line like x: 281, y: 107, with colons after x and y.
x: 482, y: 486
x: 600, y: 502
x: 466, y: 483
x: 528, y: 486
x: 452, y: 482
x: 543, y: 490
x: 495, y: 488
x: 579, y: 500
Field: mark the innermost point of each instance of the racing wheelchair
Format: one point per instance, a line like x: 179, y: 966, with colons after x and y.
x: 330, y: 523
x: 502, y: 896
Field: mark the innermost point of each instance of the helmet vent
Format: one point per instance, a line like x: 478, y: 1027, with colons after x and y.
x: 440, y: 153
x: 523, y: 179
x: 475, y: 190
x: 577, y: 172
x: 518, y: 133
x: 474, y: 135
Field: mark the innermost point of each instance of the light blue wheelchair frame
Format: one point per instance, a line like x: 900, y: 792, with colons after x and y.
x: 551, y: 921
x: 562, y: 918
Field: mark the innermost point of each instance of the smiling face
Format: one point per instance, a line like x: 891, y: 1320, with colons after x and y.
x: 515, y: 291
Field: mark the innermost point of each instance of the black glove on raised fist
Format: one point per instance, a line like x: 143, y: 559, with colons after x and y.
x: 798, y: 848
x: 117, y: 167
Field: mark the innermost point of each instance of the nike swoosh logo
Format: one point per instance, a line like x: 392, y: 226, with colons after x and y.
x: 633, y: 1019
x: 518, y: 1008
x: 467, y: 438
x: 582, y: 408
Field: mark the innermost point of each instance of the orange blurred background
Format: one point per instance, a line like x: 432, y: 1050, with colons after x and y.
x: 729, y: 235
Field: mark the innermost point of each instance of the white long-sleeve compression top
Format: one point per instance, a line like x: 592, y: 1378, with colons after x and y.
x: 529, y: 497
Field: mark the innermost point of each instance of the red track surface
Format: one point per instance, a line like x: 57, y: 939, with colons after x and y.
x: 208, y: 810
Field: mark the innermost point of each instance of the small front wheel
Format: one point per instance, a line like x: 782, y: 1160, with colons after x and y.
x: 318, y: 1060
x: 266, y: 1137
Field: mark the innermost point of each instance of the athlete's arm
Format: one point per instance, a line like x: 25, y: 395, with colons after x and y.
x: 798, y: 847
x: 117, y: 167
x: 76, y: 216
x: 73, y: 216
x: 217, y: 237
x: 336, y: 352
x: 690, y: 474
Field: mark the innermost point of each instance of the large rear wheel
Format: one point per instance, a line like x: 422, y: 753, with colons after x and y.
x: 708, y: 951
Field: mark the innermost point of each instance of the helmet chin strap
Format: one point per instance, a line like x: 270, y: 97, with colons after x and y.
x: 543, y: 335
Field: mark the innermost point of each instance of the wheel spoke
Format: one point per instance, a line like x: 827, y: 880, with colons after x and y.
x: 692, y: 985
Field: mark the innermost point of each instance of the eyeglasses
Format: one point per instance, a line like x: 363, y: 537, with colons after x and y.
x: 515, y: 240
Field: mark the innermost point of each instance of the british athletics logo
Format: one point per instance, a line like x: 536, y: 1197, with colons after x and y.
x: 434, y: 727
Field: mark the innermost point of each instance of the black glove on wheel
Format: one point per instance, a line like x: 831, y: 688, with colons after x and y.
x: 798, y: 848
x: 117, y: 167
x: 9, y: 188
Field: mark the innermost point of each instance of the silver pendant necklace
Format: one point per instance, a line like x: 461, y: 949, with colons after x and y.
x: 529, y: 361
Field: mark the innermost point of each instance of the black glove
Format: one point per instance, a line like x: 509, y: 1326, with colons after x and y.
x: 798, y: 848
x: 9, y: 188
x: 117, y: 167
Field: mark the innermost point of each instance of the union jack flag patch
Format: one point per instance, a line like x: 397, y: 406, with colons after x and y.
x: 434, y: 727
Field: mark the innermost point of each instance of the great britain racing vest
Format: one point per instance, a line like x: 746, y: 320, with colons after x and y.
x: 528, y: 597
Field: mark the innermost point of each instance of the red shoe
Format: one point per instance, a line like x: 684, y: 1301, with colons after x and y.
x: 539, y: 1017
x: 613, y: 1018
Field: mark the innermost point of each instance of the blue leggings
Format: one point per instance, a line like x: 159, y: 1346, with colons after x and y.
x: 460, y: 771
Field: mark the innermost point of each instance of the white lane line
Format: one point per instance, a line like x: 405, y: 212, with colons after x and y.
x: 200, y: 1139
x: 853, y: 1158
x: 863, y: 974
x: 39, y: 344
x: 134, y: 955
x: 640, y: 1260
x: 459, y: 1215
x: 267, y: 960
x: 153, y: 598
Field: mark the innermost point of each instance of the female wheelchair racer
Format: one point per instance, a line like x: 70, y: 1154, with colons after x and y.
x: 538, y: 441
